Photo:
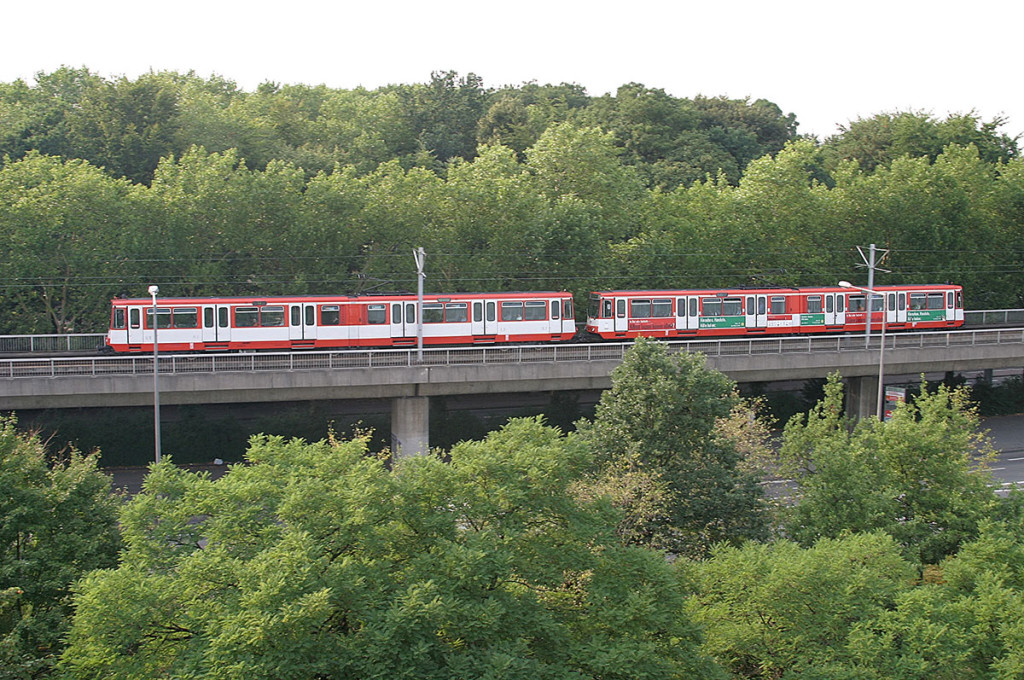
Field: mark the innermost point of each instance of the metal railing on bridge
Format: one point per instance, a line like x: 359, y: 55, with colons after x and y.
x: 51, y: 344
x: 993, y: 317
x: 56, y: 367
x: 83, y: 343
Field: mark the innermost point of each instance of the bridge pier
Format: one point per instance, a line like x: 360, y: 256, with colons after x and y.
x: 862, y: 396
x: 410, y: 426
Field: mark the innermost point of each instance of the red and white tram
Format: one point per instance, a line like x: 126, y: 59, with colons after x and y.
x: 751, y: 312
x: 324, y: 322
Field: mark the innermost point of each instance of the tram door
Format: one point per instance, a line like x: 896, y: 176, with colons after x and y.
x: 403, y: 319
x: 835, y: 312
x: 302, y: 322
x: 757, y: 311
x: 216, y: 323
x: 135, y: 326
x: 686, y: 311
x: 483, y: 316
x: 621, y: 320
x: 398, y: 329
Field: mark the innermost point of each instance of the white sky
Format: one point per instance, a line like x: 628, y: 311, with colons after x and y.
x: 827, y: 62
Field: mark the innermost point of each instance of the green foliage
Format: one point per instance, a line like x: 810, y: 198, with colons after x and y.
x: 921, y: 477
x: 778, y: 610
x: 314, y: 560
x: 299, y: 189
x: 63, y: 224
x: 665, y: 456
x: 1006, y: 398
x: 57, y: 522
x: 965, y: 621
x: 849, y: 607
x: 881, y: 139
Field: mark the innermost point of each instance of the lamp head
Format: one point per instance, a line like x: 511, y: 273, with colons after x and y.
x: 845, y: 284
x: 153, y: 290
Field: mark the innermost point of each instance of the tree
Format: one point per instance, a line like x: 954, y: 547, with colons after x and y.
x: 35, y: 118
x: 66, y: 228
x: 964, y: 619
x: 779, y: 610
x: 445, y: 113
x: 57, y: 521
x: 218, y: 226
x: 663, y: 457
x: 921, y: 477
x: 316, y: 561
x: 879, y: 140
x: 127, y: 126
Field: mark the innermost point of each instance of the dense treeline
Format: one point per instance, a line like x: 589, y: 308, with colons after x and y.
x: 107, y: 186
x: 641, y: 546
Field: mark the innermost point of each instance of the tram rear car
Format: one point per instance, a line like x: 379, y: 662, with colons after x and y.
x: 615, y: 315
x: 327, y: 322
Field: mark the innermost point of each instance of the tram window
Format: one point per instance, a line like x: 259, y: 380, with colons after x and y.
x: 535, y: 311
x: 456, y: 312
x: 247, y: 317
x: 310, y: 315
x: 761, y: 304
x: 732, y: 306
x: 949, y: 300
x: 490, y: 311
x: 296, y: 315
x: 272, y: 316
x: 119, y: 320
x: 857, y: 303
x: 891, y: 305
x: 606, y: 309
x: 207, y: 317
x: 222, y: 317
x: 185, y: 317
x: 567, y: 312
x: 814, y: 304
x: 918, y: 301
x: 959, y: 300
x: 681, y: 306
x: 661, y: 308
x: 620, y: 309
x: 410, y: 312
x: 330, y: 315
x: 376, y: 314
x: 829, y: 304
x: 935, y: 301
x: 876, y: 303
x: 511, y: 311
x: 839, y: 304
x: 640, y: 309
x: 693, y: 306
x: 554, y: 309
x: 902, y: 301
x: 712, y: 306
x: 478, y: 312
x: 778, y: 305
x: 396, y: 313
x: 433, y: 312
x: 134, y: 315
x: 163, y: 317
x: 750, y: 304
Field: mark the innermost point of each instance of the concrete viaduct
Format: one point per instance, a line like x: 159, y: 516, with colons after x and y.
x: 409, y: 379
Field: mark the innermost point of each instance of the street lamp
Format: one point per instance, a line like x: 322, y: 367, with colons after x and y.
x: 153, y: 290
x: 881, y: 349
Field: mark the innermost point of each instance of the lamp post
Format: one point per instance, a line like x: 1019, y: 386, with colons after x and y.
x: 420, y: 257
x: 153, y: 290
x: 881, y: 348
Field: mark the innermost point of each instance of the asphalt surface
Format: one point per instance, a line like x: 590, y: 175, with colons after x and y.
x: 1007, y: 436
